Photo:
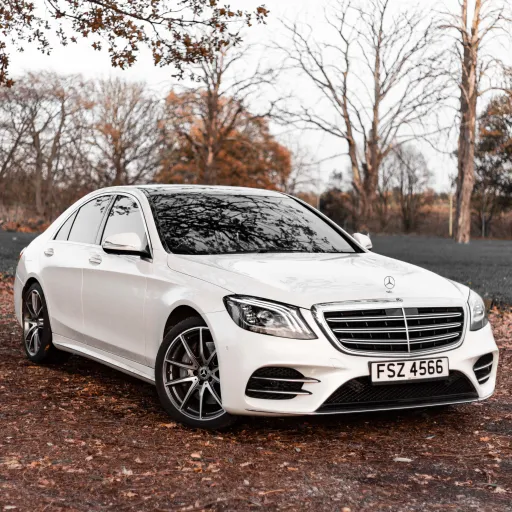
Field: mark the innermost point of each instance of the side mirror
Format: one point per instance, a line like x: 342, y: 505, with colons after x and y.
x: 124, y: 243
x: 363, y: 240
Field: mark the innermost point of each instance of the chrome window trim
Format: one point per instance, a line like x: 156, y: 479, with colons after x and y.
x: 318, y: 311
x: 82, y: 203
x: 113, y: 195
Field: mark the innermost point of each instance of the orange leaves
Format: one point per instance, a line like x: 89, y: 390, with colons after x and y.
x: 214, y: 139
x: 122, y: 25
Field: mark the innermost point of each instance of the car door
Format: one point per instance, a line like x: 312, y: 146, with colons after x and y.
x: 62, y: 261
x: 114, y: 287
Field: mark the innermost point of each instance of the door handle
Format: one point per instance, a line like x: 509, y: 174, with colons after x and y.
x: 95, y: 259
x: 48, y: 251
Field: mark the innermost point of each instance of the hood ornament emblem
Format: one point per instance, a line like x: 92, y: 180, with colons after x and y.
x: 389, y: 282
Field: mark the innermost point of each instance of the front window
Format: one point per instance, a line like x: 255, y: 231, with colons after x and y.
x: 87, y: 221
x: 219, y: 223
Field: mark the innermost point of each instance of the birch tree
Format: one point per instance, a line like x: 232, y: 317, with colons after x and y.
x: 476, y: 23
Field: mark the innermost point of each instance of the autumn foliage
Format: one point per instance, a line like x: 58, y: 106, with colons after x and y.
x: 237, y: 150
x: 177, y: 33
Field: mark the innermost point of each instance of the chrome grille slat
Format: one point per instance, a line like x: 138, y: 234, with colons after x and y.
x: 365, y: 318
x: 435, y: 338
x: 433, y: 327
x: 384, y: 318
x: 396, y: 330
x: 374, y: 342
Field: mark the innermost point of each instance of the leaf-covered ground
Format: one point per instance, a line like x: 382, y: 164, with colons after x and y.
x: 82, y: 437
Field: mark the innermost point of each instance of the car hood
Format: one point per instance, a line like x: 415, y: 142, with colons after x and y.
x: 307, y: 279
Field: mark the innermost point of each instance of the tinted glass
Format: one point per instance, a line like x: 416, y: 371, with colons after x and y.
x: 210, y: 223
x: 87, y: 222
x: 125, y: 217
x: 63, y: 232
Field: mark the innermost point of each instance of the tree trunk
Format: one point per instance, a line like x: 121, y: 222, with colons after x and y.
x: 38, y: 178
x: 209, y: 167
x: 468, y: 104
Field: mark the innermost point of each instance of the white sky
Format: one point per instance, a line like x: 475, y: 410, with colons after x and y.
x: 80, y: 58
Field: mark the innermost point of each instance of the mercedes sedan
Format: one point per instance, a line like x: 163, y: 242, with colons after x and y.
x: 237, y: 301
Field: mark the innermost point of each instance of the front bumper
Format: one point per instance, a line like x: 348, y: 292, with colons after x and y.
x: 242, y: 352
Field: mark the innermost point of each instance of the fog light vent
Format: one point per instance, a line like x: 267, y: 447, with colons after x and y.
x: 483, y: 368
x: 277, y: 383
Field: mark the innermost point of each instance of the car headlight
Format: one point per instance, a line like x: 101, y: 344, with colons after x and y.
x: 266, y: 317
x: 477, y: 311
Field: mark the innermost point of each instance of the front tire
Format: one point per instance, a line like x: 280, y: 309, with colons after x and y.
x: 187, y: 376
x: 37, y: 333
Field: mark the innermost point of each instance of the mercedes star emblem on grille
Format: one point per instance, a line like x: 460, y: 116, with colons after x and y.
x: 389, y: 282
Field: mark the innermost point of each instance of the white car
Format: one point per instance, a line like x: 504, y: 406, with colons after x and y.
x: 238, y: 301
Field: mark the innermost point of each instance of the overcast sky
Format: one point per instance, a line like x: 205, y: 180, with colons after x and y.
x: 80, y: 58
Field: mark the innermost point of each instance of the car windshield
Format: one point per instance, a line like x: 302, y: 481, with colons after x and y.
x: 216, y: 223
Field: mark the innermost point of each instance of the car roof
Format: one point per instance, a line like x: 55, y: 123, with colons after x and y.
x: 209, y: 189
x: 177, y: 189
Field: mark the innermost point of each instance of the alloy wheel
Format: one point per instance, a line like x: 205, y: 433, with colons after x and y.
x: 33, y: 322
x: 191, y: 375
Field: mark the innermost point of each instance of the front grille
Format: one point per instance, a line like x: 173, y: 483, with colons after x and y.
x: 361, y: 394
x: 277, y: 383
x: 396, y: 330
x: 483, y: 368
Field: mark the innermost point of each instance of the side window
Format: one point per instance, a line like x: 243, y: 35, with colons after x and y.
x: 125, y: 217
x: 87, y: 222
x: 64, y: 230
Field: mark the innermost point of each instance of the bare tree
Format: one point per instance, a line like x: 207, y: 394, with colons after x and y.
x: 380, y: 81
x: 302, y: 177
x: 38, y: 116
x: 208, y: 117
x: 387, y: 180
x: 124, y: 142
x: 411, y: 180
x: 489, y: 18
x: 493, y: 186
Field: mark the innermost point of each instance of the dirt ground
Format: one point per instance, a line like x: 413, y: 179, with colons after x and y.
x: 82, y: 437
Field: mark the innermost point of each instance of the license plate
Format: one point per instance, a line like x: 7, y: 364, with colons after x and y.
x: 418, y: 369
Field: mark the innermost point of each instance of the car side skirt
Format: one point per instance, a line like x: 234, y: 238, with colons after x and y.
x: 116, y: 362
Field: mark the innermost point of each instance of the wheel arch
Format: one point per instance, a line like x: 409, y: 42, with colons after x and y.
x: 30, y: 281
x: 178, y: 314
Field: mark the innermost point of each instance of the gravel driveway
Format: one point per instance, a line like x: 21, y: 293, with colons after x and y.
x: 484, y: 265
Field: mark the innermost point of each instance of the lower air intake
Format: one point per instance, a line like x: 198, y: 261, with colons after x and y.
x: 361, y: 394
x: 277, y: 383
x: 483, y: 368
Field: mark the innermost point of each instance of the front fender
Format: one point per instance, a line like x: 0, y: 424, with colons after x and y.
x: 170, y: 290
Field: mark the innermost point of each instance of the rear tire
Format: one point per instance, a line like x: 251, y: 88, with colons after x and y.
x: 187, y: 376
x: 37, y: 332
